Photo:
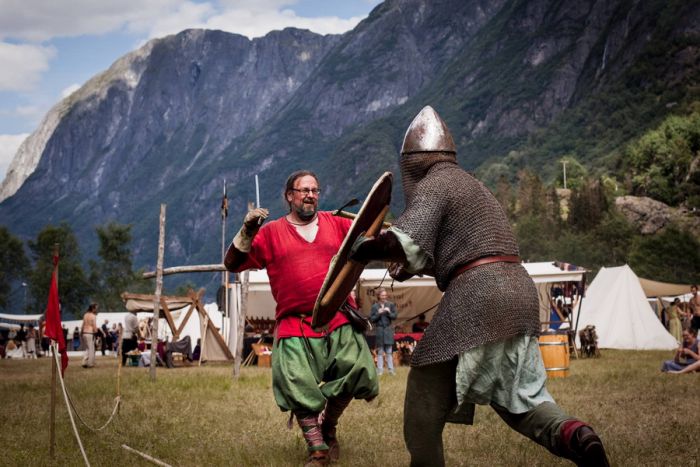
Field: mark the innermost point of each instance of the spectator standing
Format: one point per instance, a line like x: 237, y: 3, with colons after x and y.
x: 114, y: 338
x: 382, y: 314
x: 31, y: 342
x: 44, y: 341
x: 89, y: 331
x: 106, y: 337
x: 675, y: 326
x: 76, y: 339
x: 131, y: 332
x: 694, y: 305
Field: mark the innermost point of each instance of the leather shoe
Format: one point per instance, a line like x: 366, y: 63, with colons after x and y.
x: 318, y: 459
x: 588, y: 448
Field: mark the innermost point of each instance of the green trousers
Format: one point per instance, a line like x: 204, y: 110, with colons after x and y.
x: 431, y: 399
x: 308, y: 371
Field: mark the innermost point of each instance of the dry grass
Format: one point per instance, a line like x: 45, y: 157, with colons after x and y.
x: 200, y: 416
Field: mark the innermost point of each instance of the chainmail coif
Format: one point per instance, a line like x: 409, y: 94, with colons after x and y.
x: 455, y: 219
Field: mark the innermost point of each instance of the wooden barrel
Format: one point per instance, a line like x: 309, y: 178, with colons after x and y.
x: 555, y: 354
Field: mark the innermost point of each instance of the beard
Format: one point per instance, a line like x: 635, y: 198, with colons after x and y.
x: 305, y: 212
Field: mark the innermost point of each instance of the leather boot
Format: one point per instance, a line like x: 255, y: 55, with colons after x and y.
x: 311, y: 430
x: 329, y: 420
x: 583, y: 445
x: 318, y: 459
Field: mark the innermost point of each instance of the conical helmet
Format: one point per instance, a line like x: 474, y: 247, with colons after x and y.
x: 428, y: 141
x: 428, y: 133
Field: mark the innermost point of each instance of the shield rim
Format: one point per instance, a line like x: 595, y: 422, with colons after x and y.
x: 326, y: 307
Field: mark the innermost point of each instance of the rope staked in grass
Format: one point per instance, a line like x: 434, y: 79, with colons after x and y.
x: 70, y: 412
x: 117, y: 399
x: 146, y: 456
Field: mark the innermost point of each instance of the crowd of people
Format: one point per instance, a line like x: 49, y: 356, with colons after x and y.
x: 682, y: 320
x: 680, y: 315
x: 20, y: 343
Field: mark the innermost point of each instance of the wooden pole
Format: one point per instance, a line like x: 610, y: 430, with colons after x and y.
x: 159, y: 289
x: 145, y: 456
x: 204, y: 339
x: 243, y: 311
x: 179, y: 269
x: 54, y: 371
x: 224, y: 280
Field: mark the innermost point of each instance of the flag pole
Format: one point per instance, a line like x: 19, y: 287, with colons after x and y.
x: 54, y: 369
x: 224, y: 274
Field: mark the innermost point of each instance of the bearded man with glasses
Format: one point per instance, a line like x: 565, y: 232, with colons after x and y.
x: 315, y: 375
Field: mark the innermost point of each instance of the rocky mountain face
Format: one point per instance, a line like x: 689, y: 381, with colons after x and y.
x: 171, y: 121
x: 650, y: 216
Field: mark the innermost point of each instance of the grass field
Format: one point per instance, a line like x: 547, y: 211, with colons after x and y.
x: 201, y: 416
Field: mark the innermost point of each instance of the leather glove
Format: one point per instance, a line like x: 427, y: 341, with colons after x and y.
x: 384, y: 247
x: 254, y: 219
x: 360, y: 250
x: 398, y: 272
x: 243, y: 240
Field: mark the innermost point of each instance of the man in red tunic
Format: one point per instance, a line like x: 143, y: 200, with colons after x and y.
x: 315, y: 375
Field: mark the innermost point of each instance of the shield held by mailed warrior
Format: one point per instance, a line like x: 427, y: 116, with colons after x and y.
x: 344, y: 273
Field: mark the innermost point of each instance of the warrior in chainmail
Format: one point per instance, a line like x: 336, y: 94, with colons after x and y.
x: 481, y: 346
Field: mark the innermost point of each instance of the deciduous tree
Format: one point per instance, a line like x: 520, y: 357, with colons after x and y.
x: 73, y: 287
x: 14, y: 265
x: 113, y: 273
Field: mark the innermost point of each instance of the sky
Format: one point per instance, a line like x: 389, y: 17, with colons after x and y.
x: 49, y: 48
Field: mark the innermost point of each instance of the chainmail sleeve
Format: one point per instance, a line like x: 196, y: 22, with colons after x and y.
x: 421, y: 221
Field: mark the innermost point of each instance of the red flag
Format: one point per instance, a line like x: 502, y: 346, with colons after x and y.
x: 53, y: 317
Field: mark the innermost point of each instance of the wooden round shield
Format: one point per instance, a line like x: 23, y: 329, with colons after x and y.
x: 343, y: 273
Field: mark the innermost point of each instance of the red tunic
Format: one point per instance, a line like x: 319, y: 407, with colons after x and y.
x: 296, y: 269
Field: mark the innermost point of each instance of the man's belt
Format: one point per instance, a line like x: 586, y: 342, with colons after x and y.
x: 485, y: 260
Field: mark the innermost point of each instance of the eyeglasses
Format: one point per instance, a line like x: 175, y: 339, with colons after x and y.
x: 308, y: 191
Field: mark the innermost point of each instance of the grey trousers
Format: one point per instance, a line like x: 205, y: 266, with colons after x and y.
x: 89, y: 357
x: 431, y: 396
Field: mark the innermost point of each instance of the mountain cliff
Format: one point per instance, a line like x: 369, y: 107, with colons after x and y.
x: 520, y: 83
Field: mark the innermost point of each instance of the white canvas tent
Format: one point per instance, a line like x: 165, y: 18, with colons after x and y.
x: 21, y: 318
x: 616, y: 305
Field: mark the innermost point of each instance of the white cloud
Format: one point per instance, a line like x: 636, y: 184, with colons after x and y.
x: 47, y: 19
x: 188, y: 15
x: 256, y: 23
x: 21, y: 65
x: 8, y: 148
x: 69, y: 90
